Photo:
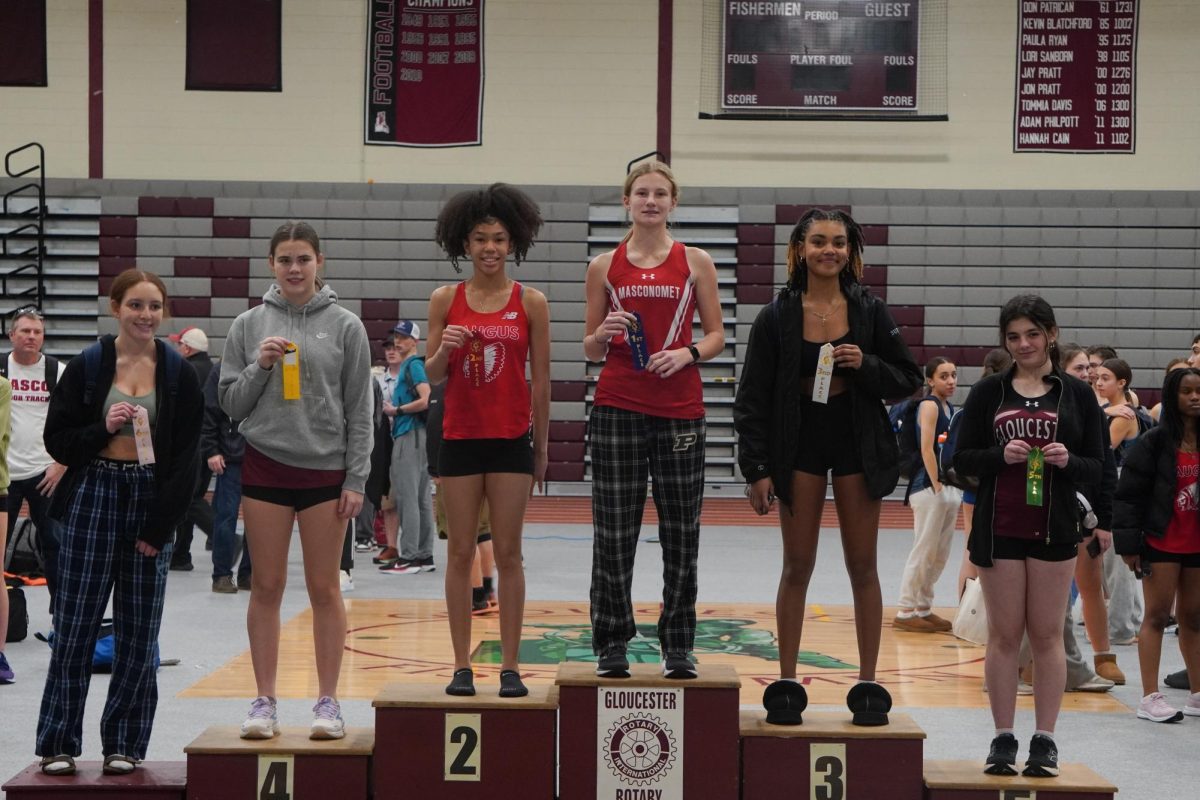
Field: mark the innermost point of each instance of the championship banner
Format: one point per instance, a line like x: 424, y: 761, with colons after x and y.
x: 424, y: 73
x: 639, y: 743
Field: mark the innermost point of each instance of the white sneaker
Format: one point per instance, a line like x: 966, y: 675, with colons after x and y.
x: 1155, y: 708
x: 327, y: 720
x: 1192, y: 707
x: 262, y: 722
x: 347, y: 581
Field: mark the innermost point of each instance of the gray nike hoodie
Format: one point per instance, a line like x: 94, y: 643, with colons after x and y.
x: 329, y: 427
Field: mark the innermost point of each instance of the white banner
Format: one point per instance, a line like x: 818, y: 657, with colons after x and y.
x: 639, y: 738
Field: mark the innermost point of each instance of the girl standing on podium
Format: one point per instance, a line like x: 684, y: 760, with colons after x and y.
x: 297, y: 372
x: 648, y: 418
x: 1033, y: 436
x: 125, y: 420
x: 482, y: 333
x: 822, y: 358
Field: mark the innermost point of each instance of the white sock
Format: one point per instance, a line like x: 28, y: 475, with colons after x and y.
x: 1002, y: 731
x: 1048, y: 734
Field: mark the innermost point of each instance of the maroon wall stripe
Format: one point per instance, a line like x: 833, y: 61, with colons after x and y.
x: 95, y: 88
x: 666, y: 36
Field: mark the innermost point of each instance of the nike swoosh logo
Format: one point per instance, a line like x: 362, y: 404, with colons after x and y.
x: 322, y: 335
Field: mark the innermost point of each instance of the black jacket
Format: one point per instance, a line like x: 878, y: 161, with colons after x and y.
x: 766, y: 412
x: 1145, y: 500
x: 219, y: 434
x: 203, y: 364
x: 75, y: 433
x: 1080, y: 427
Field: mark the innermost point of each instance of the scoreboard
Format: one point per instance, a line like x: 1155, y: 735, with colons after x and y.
x: 820, y: 55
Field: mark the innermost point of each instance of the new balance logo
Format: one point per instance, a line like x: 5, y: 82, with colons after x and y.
x: 684, y: 441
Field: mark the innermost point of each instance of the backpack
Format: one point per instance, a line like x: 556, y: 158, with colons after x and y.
x: 102, y: 653
x: 18, y: 611
x: 1144, y: 421
x: 51, y: 370
x: 23, y: 556
x: 421, y: 416
x: 903, y: 417
x: 947, y: 444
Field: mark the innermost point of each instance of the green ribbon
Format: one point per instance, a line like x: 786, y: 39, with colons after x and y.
x: 1035, y: 477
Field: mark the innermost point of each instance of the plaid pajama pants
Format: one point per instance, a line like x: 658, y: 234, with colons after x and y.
x: 97, y: 557
x: 626, y: 447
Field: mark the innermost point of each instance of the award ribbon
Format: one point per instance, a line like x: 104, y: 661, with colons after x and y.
x: 291, y: 372
x: 636, y: 337
x: 1035, y: 477
x: 824, y: 374
x: 475, y: 365
x: 142, y: 437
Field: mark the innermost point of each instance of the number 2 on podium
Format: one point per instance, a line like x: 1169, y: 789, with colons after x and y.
x: 828, y: 771
x: 464, y: 743
x: 275, y: 776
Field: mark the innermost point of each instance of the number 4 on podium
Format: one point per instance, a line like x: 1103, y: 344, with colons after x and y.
x: 276, y: 775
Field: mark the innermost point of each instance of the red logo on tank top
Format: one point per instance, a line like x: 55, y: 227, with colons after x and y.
x: 510, y: 332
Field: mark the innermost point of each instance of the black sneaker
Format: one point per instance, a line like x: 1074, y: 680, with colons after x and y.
x: 678, y: 666
x: 182, y: 566
x: 614, y: 665
x: 785, y: 702
x: 869, y: 704
x: 462, y: 684
x: 426, y: 564
x: 511, y: 685
x: 1043, y: 758
x: 1177, y: 680
x: 1002, y: 758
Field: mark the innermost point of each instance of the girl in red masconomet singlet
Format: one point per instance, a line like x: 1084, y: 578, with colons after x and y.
x: 648, y: 418
x: 482, y: 333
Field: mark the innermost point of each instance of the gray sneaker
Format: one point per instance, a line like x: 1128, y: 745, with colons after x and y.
x: 224, y: 585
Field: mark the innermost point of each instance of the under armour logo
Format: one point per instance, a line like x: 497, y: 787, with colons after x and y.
x: 1031, y: 404
x: 684, y: 441
x: 649, y: 276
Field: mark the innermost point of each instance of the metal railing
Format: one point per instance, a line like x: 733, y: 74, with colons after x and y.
x: 14, y: 244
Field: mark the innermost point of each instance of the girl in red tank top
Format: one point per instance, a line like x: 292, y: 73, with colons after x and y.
x: 647, y: 417
x: 482, y: 333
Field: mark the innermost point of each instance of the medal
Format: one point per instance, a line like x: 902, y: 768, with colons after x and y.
x: 636, y: 337
x: 291, y: 372
x: 824, y: 374
x: 1035, y: 472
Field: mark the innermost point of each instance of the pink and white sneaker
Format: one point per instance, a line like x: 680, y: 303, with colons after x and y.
x: 1155, y: 708
x: 1192, y: 707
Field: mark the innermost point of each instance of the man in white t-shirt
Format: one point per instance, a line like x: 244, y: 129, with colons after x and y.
x: 33, y: 473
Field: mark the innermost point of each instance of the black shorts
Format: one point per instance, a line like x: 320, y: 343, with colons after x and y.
x: 461, y: 457
x: 298, y: 499
x: 827, y: 440
x: 1013, y: 549
x: 1184, y: 560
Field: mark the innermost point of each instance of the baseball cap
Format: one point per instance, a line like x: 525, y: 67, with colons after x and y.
x: 407, y: 327
x: 193, y: 337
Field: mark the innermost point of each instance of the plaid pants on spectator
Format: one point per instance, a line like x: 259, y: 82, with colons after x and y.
x: 97, y: 557
x: 626, y: 447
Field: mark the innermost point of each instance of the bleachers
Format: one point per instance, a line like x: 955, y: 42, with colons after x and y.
x: 1119, y: 267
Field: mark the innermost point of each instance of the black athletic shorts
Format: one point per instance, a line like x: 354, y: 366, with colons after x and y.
x: 1184, y: 560
x: 298, y: 499
x: 1012, y: 549
x: 461, y: 457
x: 827, y: 440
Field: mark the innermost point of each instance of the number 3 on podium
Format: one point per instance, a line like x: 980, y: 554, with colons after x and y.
x: 275, y: 776
x: 464, y: 745
x: 827, y: 776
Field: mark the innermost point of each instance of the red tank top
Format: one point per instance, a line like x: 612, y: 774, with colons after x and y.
x: 487, y: 396
x: 665, y: 298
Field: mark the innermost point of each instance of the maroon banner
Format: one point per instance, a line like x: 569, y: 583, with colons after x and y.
x: 425, y: 73
x: 828, y: 55
x: 1076, y: 70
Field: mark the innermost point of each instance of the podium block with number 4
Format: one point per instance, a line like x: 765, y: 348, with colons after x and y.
x: 459, y: 748
x: 153, y: 780
x: 827, y: 758
x: 965, y: 780
x: 288, y: 767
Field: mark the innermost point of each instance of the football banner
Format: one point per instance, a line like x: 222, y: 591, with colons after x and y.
x: 639, y: 738
x: 424, y: 84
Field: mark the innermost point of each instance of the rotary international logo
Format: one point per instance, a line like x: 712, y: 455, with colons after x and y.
x: 640, y: 749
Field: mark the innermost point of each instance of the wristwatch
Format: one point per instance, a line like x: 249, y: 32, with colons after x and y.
x: 695, y: 353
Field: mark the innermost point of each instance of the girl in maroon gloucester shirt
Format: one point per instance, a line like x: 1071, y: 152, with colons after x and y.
x: 482, y: 332
x: 1032, y: 434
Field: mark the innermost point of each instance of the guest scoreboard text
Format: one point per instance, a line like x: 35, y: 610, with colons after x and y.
x: 828, y: 55
x: 1076, y: 65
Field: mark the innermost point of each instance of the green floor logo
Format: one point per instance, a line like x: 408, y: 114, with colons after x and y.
x: 738, y: 637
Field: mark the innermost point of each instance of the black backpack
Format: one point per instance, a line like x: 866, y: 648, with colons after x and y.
x: 904, y: 422
x: 51, y: 370
x: 946, y: 472
x: 18, y: 611
x: 23, y: 556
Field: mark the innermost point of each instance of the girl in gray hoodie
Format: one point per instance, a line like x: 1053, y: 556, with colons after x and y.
x: 297, y: 373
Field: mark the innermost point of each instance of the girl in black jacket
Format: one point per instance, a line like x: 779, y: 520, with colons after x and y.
x: 789, y: 438
x: 125, y: 419
x: 1032, y: 435
x: 1156, y: 527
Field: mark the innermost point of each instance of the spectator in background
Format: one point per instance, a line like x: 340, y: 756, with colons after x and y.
x: 32, y: 473
x: 6, y: 673
x: 1194, y: 358
x: 392, y: 356
x: 1172, y: 365
x: 192, y: 344
x: 222, y: 448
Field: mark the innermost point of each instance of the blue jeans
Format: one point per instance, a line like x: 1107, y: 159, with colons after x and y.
x: 226, y: 500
